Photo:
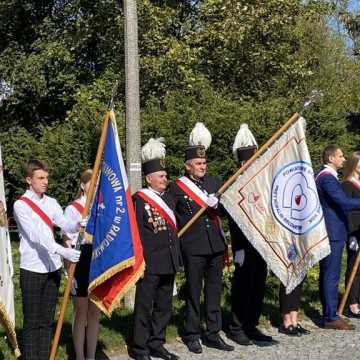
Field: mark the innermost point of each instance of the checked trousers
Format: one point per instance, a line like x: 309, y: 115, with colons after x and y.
x: 39, y: 292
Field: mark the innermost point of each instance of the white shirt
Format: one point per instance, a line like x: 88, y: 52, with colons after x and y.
x: 72, y: 214
x: 156, y: 192
x: 37, y: 242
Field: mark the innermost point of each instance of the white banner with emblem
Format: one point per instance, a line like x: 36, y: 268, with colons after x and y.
x: 276, y: 205
x: 7, y: 312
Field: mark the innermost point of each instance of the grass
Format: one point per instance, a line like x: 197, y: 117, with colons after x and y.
x: 116, y: 331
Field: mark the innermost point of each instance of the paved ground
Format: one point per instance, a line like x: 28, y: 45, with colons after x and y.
x: 320, y: 344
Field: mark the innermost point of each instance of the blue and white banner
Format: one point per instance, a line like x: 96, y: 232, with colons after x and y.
x: 117, y: 259
x: 276, y: 205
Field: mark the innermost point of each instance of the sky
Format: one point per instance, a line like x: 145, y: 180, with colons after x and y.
x: 354, y: 5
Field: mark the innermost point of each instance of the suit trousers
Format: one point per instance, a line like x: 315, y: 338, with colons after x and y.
x: 201, y: 269
x: 354, y: 296
x: 247, y: 292
x: 329, y: 280
x: 290, y: 302
x: 152, y: 312
x: 39, y: 292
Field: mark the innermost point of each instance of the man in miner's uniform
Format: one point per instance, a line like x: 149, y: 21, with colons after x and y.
x: 158, y: 232
x: 248, y: 283
x: 202, y: 245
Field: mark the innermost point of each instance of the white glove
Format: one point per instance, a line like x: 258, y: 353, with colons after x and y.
x: 84, y: 221
x: 212, y: 201
x: 239, y: 257
x: 69, y: 254
x: 74, y: 286
x: 353, y: 244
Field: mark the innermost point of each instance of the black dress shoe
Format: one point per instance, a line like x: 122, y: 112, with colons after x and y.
x: 301, y: 330
x: 289, y: 330
x: 240, y: 338
x: 139, y: 357
x: 348, y: 313
x: 256, y: 335
x: 218, y: 343
x: 194, y: 346
x: 162, y: 353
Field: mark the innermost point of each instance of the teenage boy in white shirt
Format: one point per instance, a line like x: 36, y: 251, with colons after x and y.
x: 40, y: 259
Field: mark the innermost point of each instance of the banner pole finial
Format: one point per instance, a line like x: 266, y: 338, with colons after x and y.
x: 113, y: 94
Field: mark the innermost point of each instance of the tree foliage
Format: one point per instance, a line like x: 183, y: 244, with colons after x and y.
x: 222, y: 62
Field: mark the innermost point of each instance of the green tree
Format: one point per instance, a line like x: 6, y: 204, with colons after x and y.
x: 218, y: 61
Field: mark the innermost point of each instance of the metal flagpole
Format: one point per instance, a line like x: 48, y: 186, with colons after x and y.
x: 133, y: 136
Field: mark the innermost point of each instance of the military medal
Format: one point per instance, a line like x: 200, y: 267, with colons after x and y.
x: 148, y: 211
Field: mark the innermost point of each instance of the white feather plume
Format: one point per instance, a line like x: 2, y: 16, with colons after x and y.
x: 200, y: 135
x: 244, y: 138
x: 153, y: 149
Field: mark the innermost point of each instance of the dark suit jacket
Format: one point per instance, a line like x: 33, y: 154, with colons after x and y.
x: 161, y: 249
x: 203, y: 238
x: 335, y: 205
x: 353, y: 216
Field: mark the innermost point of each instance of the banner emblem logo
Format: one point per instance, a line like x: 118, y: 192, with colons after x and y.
x: 294, y: 199
x: 101, y: 205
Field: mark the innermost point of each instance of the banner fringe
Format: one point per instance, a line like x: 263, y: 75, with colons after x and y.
x: 9, y: 329
x: 117, y: 301
x: 111, y: 272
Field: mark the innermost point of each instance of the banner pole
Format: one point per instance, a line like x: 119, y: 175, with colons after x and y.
x: 72, y: 266
x: 349, y: 284
x: 232, y: 179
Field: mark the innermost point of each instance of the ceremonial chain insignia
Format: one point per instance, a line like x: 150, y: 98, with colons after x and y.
x: 188, y: 201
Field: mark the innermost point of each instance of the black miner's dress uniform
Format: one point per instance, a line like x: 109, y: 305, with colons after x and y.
x: 202, y: 247
x: 153, y: 299
x: 248, y: 284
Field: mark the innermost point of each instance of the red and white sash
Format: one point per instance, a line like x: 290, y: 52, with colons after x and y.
x: 192, y: 190
x: 40, y: 212
x: 324, y: 172
x: 356, y: 183
x: 160, y: 205
x: 200, y: 197
x: 79, y: 207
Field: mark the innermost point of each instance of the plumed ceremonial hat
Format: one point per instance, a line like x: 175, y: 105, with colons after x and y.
x: 153, y: 156
x: 245, y: 145
x: 199, y: 142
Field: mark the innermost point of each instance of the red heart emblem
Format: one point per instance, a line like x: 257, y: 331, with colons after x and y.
x: 253, y: 198
x: 297, y: 199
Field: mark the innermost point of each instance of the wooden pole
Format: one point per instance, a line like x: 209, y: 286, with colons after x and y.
x: 232, y: 179
x: 72, y: 266
x: 349, y: 284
